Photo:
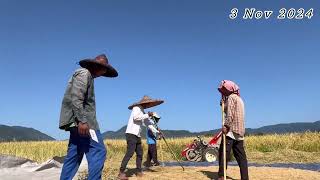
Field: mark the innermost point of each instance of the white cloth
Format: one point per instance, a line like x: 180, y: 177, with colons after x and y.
x: 138, y: 118
x: 15, y: 168
x: 235, y: 136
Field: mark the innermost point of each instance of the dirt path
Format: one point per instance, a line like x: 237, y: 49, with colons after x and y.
x: 264, y: 173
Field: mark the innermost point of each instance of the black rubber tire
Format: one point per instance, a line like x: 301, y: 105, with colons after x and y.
x: 194, y: 158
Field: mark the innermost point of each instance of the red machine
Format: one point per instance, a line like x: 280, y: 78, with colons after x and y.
x: 200, y: 150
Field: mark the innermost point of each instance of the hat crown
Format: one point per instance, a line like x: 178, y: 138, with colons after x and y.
x: 145, y: 98
x: 102, y: 59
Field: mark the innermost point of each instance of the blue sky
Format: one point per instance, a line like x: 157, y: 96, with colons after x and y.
x: 175, y: 50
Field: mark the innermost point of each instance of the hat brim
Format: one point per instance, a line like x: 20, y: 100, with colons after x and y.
x: 88, y: 63
x: 147, y: 104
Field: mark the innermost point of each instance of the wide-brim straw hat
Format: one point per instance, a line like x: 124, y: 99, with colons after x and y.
x: 147, y: 102
x: 100, y: 61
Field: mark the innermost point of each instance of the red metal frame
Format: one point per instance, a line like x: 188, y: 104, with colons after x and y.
x: 215, y: 139
x: 212, y: 142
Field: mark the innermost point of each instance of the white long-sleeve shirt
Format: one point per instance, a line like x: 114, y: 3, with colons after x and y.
x: 138, y: 118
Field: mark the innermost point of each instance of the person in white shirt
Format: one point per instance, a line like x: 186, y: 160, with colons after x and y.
x: 133, y: 133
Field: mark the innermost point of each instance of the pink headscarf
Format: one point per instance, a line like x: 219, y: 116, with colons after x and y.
x: 230, y: 86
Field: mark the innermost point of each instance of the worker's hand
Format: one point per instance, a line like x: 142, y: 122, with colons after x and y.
x: 150, y: 114
x: 83, y: 129
x: 225, y: 130
x: 160, y: 135
x: 223, y: 100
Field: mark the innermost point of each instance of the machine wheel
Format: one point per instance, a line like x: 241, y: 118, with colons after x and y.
x: 210, y: 154
x: 191, y: 155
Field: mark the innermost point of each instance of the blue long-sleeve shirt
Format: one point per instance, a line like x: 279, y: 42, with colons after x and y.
x: 151, y: 138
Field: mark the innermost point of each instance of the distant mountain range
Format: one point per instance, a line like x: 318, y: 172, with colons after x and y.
x: 272, y: 129
x: 18, y: 133
x: 286, y: 128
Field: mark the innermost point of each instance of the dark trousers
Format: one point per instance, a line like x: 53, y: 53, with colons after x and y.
x: 77, y: 147
x: 239, y: 154
x: 152, y: 154
x: 133, y: 145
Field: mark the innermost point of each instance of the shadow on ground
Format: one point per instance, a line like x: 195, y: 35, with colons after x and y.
x: 214, y: 175
x: 133, y: 172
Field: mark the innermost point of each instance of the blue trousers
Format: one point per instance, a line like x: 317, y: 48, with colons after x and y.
x: 77, y: 147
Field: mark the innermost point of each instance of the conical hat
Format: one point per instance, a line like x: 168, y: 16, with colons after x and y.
x: 100, y: 61
x: 147, y: 102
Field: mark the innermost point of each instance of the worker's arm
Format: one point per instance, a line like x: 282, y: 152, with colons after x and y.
x: 230, y: 112
x: 150, y: 125
x: 138, y: 114
x: 78, y: 92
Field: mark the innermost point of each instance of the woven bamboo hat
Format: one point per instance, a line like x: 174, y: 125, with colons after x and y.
x: 100, y: 61
x: 147, y: 102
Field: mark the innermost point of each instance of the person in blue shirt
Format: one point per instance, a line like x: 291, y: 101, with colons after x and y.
x: 152, y: 145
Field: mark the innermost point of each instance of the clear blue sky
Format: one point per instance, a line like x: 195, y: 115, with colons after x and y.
x: 175, y: 50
